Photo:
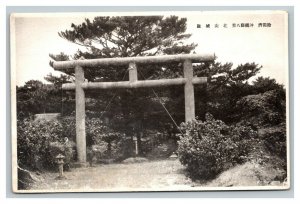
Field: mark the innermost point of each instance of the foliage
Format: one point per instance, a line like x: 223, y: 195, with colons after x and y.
x: 35, y: 141
x: 210, y: 147
x: 57, y: 81
x: 67, y: 149
x: 36, y: 97
x: 60, y: 57
x: 261, y: 110
x: 162, y: 150
x: 32, y: 99
x: 39, y: 142
x: 102, y: 136
x: 226, y: 85
x: 274, y: 140
x: 108, y: 37
x: 263, y: 84
x: 69, y: 127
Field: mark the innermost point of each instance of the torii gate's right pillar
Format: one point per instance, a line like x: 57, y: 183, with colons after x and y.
x: 189, y: 91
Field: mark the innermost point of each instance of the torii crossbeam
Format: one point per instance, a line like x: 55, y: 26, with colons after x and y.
x: 79, y: 86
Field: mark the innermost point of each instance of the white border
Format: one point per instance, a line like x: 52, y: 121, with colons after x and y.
x: 3, y: 127
x: 144, y: 13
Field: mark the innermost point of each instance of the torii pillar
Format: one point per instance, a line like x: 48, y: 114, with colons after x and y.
x: 80, y: 116
x: 189, y: 98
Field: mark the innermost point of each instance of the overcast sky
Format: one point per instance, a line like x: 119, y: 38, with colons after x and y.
x: 36, y: 37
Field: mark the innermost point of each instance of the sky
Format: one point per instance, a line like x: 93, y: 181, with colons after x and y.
x: 36, y: 36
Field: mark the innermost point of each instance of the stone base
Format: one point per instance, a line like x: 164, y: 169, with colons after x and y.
x: 80, y: 165
x: 61, y: 178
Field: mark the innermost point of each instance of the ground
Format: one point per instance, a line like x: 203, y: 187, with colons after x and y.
x: 113, y: 177
x: 163, y: 175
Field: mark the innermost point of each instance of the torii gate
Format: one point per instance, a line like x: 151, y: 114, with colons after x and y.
x: 79, y: 65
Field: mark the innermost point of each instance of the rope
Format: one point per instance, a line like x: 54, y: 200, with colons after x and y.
x: 62, y: 108
x: 163, y: 105
x: 62, y: 103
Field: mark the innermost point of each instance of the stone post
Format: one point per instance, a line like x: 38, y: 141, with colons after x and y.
x: 132, y: 72
x: 80, y: 116
x: 189, y: 91
x: 136, y: 146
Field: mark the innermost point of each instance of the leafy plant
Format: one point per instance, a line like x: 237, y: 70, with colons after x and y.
x: 261, y: 110
x: 34, y: 143
x: 210, y: 147
x: 102, y: 136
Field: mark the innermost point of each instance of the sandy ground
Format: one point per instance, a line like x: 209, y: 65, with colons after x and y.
x: 164, y: 175
x: 150, y: 176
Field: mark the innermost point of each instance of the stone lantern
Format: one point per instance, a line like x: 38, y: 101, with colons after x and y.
x: 60, y: 162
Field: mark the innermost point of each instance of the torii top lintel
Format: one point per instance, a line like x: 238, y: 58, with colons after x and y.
x: 196, y: 58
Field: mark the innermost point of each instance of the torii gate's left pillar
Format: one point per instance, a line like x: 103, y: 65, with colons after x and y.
x: 80, y: 116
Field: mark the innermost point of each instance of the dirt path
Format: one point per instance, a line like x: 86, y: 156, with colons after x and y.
x: 165, y: 175
x: 147, y: 176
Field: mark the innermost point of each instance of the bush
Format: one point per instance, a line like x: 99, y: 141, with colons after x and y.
x: 69, y: 127
x: 274, y: 140
x: 105, y: 142
x: 66, y: 149
x: 39, y: 142
x: 210, y: 147
x: 35, y: 141
x: 262, y: 110
x: 274, y: 147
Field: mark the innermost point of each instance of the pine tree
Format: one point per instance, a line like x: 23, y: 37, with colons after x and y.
x: 111, y: 37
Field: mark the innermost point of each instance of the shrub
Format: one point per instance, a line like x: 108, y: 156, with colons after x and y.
x: 66, y: 149
x: 109, y: 144
x: 274, y: 139
x: 262, y: 110
x: 69, y: 127
x: 34, y: 141
x: 210, y: 147
x: 39, y: 142
x: 274, y: 149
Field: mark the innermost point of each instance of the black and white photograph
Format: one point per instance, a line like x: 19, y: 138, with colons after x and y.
x: 149, y: 101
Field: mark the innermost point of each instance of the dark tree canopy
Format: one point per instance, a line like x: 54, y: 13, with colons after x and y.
x: 58, y: 80
x: 129, y: 36
x: 108, y: 37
